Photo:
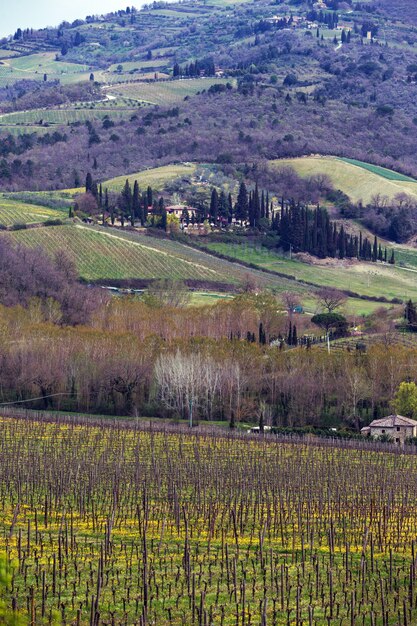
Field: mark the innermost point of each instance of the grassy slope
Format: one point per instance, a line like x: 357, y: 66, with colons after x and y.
x: 155, y: 177
x: 358, y: 182
x: 34, y: 66
x: 363, y: 278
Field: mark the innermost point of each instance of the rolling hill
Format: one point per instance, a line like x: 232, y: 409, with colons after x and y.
x: 359, y: 181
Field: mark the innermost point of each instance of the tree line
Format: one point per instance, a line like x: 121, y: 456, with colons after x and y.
x: 131, y: 357
x: 298, y: 227
x: 311, y: 230
x: 195, y: 69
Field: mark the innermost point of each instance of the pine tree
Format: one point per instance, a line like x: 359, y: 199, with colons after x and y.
x: 294, y: 335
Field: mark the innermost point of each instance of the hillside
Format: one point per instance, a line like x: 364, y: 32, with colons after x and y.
x: 111, y: 256
x: 359, y: 181
x: 223, y: 82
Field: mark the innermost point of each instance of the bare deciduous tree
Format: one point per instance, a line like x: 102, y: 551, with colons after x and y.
x: 330, y: 299
x: 187, y: 383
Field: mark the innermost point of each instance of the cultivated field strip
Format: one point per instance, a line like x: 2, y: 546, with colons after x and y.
x: 16, y: 212
x: 166, y: 92
x: 108, y: 255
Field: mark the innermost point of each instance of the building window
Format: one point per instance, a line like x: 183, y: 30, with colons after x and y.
x: 397, y: 441
x: 398, y: 429
x: 383, y: 431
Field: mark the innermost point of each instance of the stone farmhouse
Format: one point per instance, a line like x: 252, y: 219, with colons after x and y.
x: 397, y: 427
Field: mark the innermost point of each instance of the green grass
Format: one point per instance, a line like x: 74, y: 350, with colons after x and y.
x: 381, y: 171
x: 167, y: 92
x: 369, y: 279
x: 34, y: 66
x: 357, y: 182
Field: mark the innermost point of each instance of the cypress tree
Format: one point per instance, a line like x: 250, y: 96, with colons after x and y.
x: 214, y: 205
x: 230, y: 208
x: 149, y: 194
x: 375, y: 250
x: 88, y: 183
x: 106, y: 205
x: 262, y: 335
x: 242, y: 204
x: 289, y: 338
x: 294, y: 335
x: 136, y: 209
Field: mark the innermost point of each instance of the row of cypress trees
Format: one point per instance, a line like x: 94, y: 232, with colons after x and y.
x: 311, y: 230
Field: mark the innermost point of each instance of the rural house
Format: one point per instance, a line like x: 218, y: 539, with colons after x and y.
x: 397, y: 427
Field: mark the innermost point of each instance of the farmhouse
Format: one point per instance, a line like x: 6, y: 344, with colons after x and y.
x: 397, y: 427
x: 178, y: 210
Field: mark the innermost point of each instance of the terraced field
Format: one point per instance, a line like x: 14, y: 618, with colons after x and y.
x: 16, y: 212
x: 353, y: 178
x: 166, y: 92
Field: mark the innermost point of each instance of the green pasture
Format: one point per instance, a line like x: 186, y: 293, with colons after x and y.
x: 370, y: 279
x: 356, y: 181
